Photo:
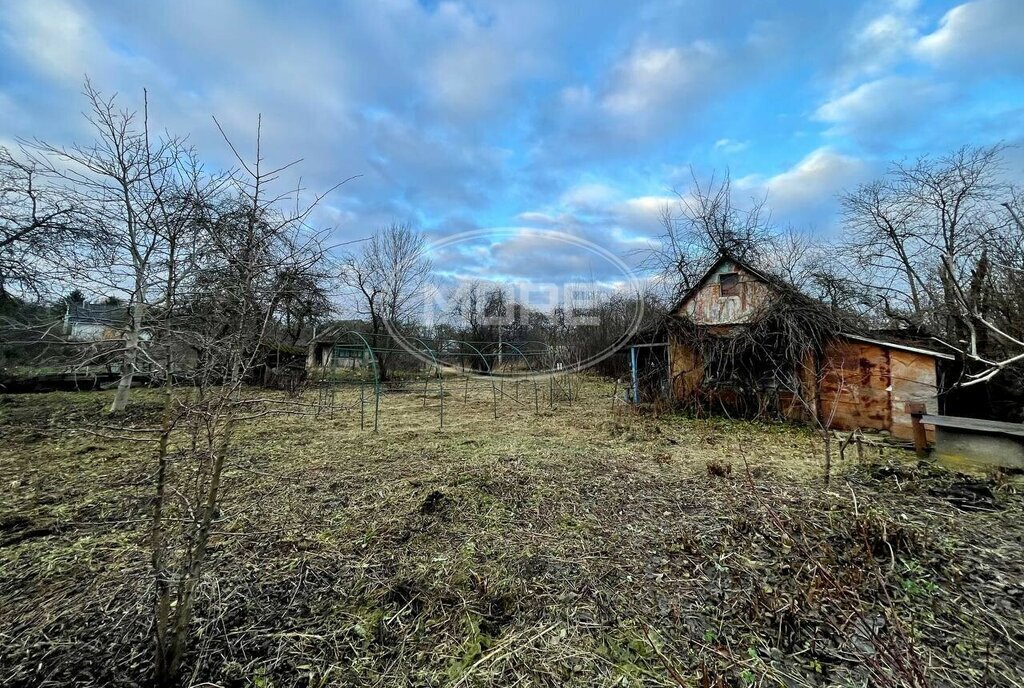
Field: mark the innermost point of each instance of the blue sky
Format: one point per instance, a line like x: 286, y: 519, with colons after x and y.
x: 580, y: 117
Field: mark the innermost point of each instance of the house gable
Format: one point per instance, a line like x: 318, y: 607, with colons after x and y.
x: 728, y: 294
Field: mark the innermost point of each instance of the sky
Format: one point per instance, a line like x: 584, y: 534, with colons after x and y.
x: 524, y: 116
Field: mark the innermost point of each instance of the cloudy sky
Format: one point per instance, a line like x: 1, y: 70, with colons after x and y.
x: 580, y: 117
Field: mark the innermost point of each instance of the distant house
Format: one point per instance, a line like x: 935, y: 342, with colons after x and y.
x: 331, y: 353
x: 742, y: 340
x: 338, y: 346
x: 92, y: 322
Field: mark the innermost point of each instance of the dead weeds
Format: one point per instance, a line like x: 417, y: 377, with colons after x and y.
x: 574, y: 546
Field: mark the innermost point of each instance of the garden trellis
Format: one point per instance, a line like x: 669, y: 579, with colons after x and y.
x: 526, y: 374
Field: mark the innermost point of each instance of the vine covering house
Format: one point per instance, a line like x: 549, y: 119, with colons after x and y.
x: 743, y: 342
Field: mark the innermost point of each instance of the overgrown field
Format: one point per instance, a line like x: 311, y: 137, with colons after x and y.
x: 571, y: 546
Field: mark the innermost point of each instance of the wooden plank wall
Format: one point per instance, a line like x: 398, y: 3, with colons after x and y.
x: 914, y: 379
x: 853, y: 389
x: 862, y: 386
x: 709, y: 307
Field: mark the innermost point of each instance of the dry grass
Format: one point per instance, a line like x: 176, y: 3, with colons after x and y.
x: 570, y: 546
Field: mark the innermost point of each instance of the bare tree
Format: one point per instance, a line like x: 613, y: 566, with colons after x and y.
x: 465, y: 310
x: 37, y: 226
x: 882, y: 238
x: 924, y: 238
x: 124, y: 184
x: 388, y: 279
x: 249, y: 241
x: 704, y: 224
x: 303, y: 302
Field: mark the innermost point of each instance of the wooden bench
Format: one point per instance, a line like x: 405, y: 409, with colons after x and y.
x: 970, y: 440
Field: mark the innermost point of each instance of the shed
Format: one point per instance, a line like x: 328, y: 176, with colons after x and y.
x: 340, y: 345
x: 337, y: 352
x: 845, y: 379
x: 91, y: 322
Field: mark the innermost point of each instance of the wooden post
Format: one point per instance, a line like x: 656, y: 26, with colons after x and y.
x: 633, y: 372
x: 916, y: 409
x: 376, y: 405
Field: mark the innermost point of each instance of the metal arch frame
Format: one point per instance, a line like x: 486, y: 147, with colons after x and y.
x: 429, y: 351
x: 546, y: 346
x: 550, y: 352
x: 518, y: 351
x: 478, y: 352
x: 437, y: 373
x: 373, y: 359
x: 376, y: 382
x: 436, y: 359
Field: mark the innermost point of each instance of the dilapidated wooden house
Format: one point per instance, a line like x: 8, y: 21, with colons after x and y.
x: 746, y: 343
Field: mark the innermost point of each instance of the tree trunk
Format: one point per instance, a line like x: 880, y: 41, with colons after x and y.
x: 131, y: 357
x: 171, y: 652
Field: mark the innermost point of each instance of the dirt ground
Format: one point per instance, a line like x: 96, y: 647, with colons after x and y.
x: 559, y: 545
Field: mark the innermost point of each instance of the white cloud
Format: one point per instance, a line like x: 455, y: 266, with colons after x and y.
x: 881, y: 108
x: 481, y: 60
x: 882, y: 42
x: 536, y: 217
x: 649, y: 92
x: 731, y: 145
x: 650, y: 79
x: 809, y: 185
x: 468, y: 78
x: 53, y: 37
x: 879, y: 41
x: 589, y: 196
x: 987, y: 32
x: 647, y: 207
x: 478, y: 59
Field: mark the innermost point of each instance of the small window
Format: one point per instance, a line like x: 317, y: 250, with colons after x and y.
x: 729, y: 283
x: 342, y: 351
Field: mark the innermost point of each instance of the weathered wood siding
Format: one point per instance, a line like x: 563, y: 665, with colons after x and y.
x: 853, y: 392
x: 685, y: 369
x: 914, y: 378
x: 862, y: 386
x: 708, y: 307
x: 859, y: 384
x: 867, y: 386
